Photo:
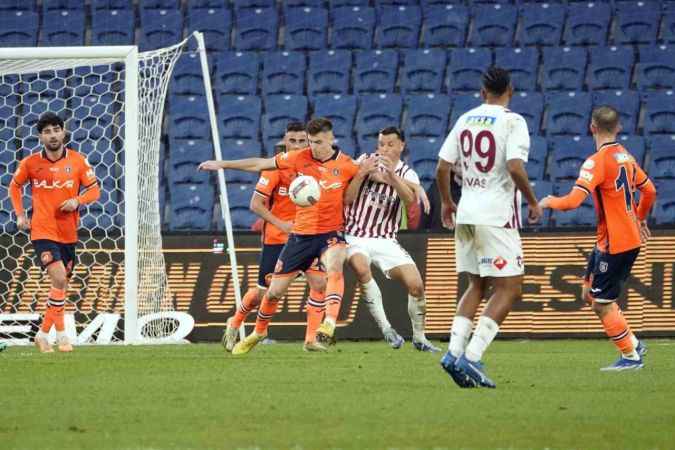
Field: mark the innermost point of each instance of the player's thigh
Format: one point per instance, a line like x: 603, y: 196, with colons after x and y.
x: 466, y: 256
x: 387, y: 254
x: 609, y: 274
x: 509, y: 286
x: 499, y: 251
x: 50, y: 257
x: 333, y: 252
x: 358, y: 256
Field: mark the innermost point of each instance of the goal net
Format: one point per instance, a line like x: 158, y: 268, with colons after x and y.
x: 112, y: 99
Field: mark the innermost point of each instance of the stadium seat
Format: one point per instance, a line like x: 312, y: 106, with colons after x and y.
x: 186, y: 171
x: 426, y: 171
x: 216, y: 24
x: 11, y: 6
x: 627, y: 103
x: 668, y: 28
x: 656, y: 69
x: 304, y: 3
x: 347, y: 145
x: 279, y: 110
x: 375, y: 71
x: 662, y: 157
x: 306, y: 28
x: 375, y: 113
x: 399, y: 26
x: 110, y: 5
x: 494, y: 25
x: 610, y: 67
x: 188, y: 117
x: 191, y: 206
x: 283, y: 73
x: 190, y: 150
x: 242, y: 219
x: 159, y: 4
x: 160, y: 28
x: 329, y: 72
x: 587, y: 23
x: 237, y: 73
x: 541, y: 189
x: 637, y: 22
x: 242, y: 148
x: 427, y: 116
x: 522, y: 63
x: 19, y: 29
x: 568, y: 113
x: 423, y: 149
x: 423, y: 70
x: 207, y: 4
x: 445, y: 26
x: 256, y: 29
x: 542, y: 24
x: 530, y: 105
x: 239, y: 116
x: 340, y: 109
x: 567, y: 157
x: 61, y: 5
x: 583, y: 216
x: 252, y: 4
x: 466, y: 67
x: 564, y: 68
x: 384, y: 3
x: 112, y: 27
x: 351, y: 3
x: 353, y: 27
x: 664, y: 208
x: 536, y: 161
x: 187, y: 76
x: 659, y: 112
x: 462, y: 104
x: 239, y: 194
x: 635, y: 145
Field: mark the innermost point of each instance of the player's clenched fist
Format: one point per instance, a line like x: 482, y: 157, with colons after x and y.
x: 210, y: 165
x: 23, y: 223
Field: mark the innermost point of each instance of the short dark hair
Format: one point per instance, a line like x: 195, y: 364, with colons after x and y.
x: 47, y: 119
x: 319, y: 125
x: 295, y: 126
x: 394, y: 130
x: 496, y: 80
x: 606, y: 118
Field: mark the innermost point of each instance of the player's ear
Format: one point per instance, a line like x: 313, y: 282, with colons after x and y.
x: 483, y: 94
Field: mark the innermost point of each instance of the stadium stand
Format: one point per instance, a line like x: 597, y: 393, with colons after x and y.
x: 427, y: 115
x: 329, y: 72
x: 239, y: 116
x: 375, y: 71
x: 656, y: 69
x: 306, y: 28
x: 399, y: 26
x: 215, y: 23
x: 522, y: 63
x: 445, y: 26
x: 610, y: 67
x: 587, y: 23
x: 465, y: 67
x: 423, y: 70
x: 568, y: 113
x: 283, y: 73
x: 340, y: 109
x: 542, y: 24
x: 627, y: 103
x: 112, y: 27
x: 237, y: 73
x: 353, y: 27
x: 564, y: 68
x: 530, y: 105
x: 256, y: 28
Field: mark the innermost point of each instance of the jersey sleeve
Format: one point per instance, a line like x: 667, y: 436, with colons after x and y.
x: 411, y: 176
x: 350, y: 168
x: 591, y: 174
x: 450, y: 150
x: 268, y: 181
x: 518, y: 139
x: 21, y: 174
x: 87, y: 174
x: 286, y: 160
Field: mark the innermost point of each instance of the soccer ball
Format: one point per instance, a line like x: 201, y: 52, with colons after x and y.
x: 304, y: 191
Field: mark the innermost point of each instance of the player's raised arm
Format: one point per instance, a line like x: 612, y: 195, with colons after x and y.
x: 246, y: 164
x: 16, y: 193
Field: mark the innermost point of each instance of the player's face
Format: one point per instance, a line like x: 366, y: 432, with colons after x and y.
x: 52, y: 137
x: 321, y: 143
x: 390, y: 146
x: 295, y: 140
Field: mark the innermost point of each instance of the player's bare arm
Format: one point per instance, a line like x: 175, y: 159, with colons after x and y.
x: 260, y: 206
x: 366, y: 167
x: 246, y: 164
x: 420, y: 194
x: 516, y: 169
x: 405, y: 193
x: 448, y: 207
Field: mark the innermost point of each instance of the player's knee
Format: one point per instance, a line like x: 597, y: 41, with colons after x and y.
x: 416, y: 289
x: 600, y: 309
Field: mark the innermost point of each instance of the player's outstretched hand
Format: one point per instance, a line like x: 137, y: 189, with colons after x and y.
x: 69, y: 205
x: 422, y: 196
x: 448, y: 215
x: 23, y: 223
x: 645, y: 234
x: 210, y: 165
x: 534, y: 213
x: 286, y: 227
x: 545, y: 202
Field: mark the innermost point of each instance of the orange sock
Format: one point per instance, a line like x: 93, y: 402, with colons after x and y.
x: 335, y: 287
x: 268, y: 307
x: 47, y: 320
x: 248, y: 304
x: 57, y: 301
x: 315, y: 309
x: 617, y: 330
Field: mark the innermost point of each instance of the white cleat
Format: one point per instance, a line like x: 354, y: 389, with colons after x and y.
x: 230, y: 336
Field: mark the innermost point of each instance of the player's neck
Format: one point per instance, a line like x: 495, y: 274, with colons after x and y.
x: 497, y: 101
x: 54, y: 155
x: 603, y: 139
x: 323, y: 155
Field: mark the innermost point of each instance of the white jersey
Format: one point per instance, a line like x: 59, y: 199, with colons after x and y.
x: 481, y: 142
x: 377, y: 210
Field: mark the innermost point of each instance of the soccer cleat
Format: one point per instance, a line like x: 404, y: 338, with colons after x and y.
x: 229, y: 336
x: 425, y: 345
x: 3, y: 346
x: 314, y: 346
x: 393, y: 338
x: 449, y: 363
x: 622, y: 364
x: 42, y: 345
x: 474, y: 371
x: 641, y: 349
x: 325, y: 334
x: 64, y: 345
x: 248, y: 343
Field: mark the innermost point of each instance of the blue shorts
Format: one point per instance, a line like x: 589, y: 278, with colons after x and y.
x: 267, y: 262
x: 48, y: 252
x: 303, y: 252
x: 606, y: 274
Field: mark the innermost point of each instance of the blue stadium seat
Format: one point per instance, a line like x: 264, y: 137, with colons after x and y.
x: 423, y: 71
x: 542, y: 24
x: 237, y: 73
x: 462, y: 104
x: 637, y: 22
x: 191, y: 206
x: 160, y: 28
x: 112, y: 27
x: 426, y: 171
x: 256, y: 29
x: 187, y: 76
x: 664, y: 209
x: 427, y: 115
x: 660, y: 112
x: 159, y: 4
x: 522, y: 63
x: 242, y: 148
x: 61, y: 5
x: 423, y: 149
x: 377, y: 112
x: 19, y: 29
x: 635, y: 145
x: 96, y: 80
x: 281, y: 109
x: 207, y: 4
x: 656, y: 69
x: 306, y: 28
x: 186, y: 171
x: 466, y: 67
x: 541, y: 189
x: 375, y: 71
x: 351, y: 3
x: 347, y: 145
x: 399, y: 26
x: 252, y: 4
x: 11, y: 6
x: 530, y: 105
x: 329, y: 72
x: 190, y: 150
x: 564, y: 68
x: 353, y: 27
x: 385, y: 3
x: 587, y: 23
x: 668, y: 28
x: 239, y: 116
x: 283, y: 73
x: 188, y: 117
x: 445, y: 26
x: 109, y: 5
x: 610, y: 67
x: 494, y: 25
x: 216, y: 24
x: 662, y: 157
x: 242, y: 219
x: 627, y: 103
x: 567, y: 157
x: 536, y: 161
x: 304, y: 3
x: 583, y: 216
x: 340, y: 109
x: 239, y: 194
x: 568, y: 113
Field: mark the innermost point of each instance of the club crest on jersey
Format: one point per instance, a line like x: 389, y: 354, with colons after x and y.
x: 336, y: 172
x: 68, y: 169
x: 46, y: 257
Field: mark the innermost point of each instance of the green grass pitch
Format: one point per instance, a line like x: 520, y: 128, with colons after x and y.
x: 550, y: 394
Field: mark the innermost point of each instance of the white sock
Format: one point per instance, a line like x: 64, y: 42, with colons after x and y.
x: 373, y: 298
x: 61, y: 337
x: 417, y: 310
x: 329, y: 321
x: 459, y: 335
x: 41, y: 334
x: 485, y: 332
x: 635, y: 341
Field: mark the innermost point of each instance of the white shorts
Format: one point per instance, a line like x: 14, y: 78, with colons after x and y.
x: 385, y: 253
x: 488, y: 251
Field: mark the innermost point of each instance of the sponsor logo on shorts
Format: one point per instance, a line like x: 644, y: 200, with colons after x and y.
x: 519, y: 261
x: 46, y: 257
x: 499, y: 262
x: 485, y: 261
x: 603, y: 266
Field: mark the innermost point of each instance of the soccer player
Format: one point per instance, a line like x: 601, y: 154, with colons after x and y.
x: 612, y: 176
x: 491, y: 145
x: 317, y: 235
x: 373, y: 215
x: 61, y: 180
x: 272, y: 203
